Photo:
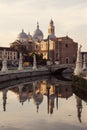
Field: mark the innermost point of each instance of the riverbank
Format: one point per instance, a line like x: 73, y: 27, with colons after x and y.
x: 17, y: 74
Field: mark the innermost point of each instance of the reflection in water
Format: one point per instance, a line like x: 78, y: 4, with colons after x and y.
x: 52, y: 88
x: 79, y: 107
x: 81, y: 95
x: 4, y: 91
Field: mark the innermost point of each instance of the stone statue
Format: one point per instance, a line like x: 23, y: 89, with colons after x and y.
x: 34, y: 62
x: 80, y: 48
x: 20, y: 62
x: 4, y: 62
x: 78, y: 68
x: 84, y: 62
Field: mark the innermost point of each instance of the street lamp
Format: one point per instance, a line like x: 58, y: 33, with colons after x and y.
x: 51, y: 38
x: 48, y: 49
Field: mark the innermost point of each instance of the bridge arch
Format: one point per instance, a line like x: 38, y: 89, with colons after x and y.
x: 58, y: 69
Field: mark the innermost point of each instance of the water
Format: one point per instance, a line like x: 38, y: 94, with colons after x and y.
x: 42, y: 103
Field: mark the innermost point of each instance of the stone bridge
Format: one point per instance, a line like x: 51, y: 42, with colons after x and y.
x: 61, y: 67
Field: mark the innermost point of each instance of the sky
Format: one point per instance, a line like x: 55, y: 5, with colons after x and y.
x: 69, y: 16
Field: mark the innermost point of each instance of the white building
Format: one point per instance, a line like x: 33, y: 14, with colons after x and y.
x: 11, y: 55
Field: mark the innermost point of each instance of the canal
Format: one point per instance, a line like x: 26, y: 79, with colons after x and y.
x: 42, y: 103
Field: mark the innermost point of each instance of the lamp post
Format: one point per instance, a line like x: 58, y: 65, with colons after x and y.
x: 48, y: 52
x: 51, y: 50
x: 48, y: 49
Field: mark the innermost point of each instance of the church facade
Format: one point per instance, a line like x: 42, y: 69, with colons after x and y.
x: 56, y: 49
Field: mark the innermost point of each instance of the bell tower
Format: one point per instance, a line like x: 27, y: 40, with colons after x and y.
x: 51, y: 28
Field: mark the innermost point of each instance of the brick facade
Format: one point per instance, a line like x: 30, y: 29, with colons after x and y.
x: 61, y: 49
x: 67, y: 50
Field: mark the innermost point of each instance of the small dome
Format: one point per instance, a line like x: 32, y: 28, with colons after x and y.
x: 22, y: 36
x: 38, y: 34
x: 38, y: 98
x: 29, y: 36
x: 23, y: 98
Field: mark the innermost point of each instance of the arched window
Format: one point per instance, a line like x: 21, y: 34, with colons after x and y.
x: 67, y: 60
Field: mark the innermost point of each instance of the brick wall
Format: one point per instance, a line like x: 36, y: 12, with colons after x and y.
x: 67, y: 50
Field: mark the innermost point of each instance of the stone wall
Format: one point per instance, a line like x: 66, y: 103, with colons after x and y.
x: 22, y: 74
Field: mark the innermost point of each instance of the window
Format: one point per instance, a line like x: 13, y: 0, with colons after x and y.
x: 56, y: 45
x: 66, y: 45
x: 57, y: 55
x: 67, y: 60
x: 36, y: 46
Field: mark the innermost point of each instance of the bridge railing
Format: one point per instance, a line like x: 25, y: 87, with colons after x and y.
x: 62, y: 65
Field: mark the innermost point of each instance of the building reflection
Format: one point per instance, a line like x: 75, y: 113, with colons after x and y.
x: 79, y: 108
x: 4, y: 93
x: 52, y: 89
x: 81, y: 96
x: 37, y: 90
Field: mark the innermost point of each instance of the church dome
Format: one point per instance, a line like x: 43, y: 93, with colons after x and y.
x: 23, y: 98
x: 29, y: 36
x: 38, y: 98
x: 23, y: 37
x: 38, y: 34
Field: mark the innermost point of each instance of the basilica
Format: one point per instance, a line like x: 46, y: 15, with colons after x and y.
x: 56, y: 49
